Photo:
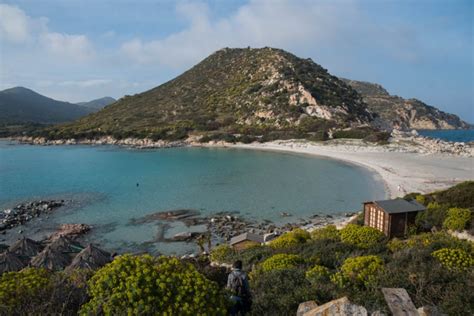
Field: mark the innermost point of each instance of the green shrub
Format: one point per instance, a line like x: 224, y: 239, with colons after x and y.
x: 329, y: 232
x: 317, y: 273
x: 433, y: 216
x: 281, y: 261
x: 223, y: 254
x: 438, y: 240
x: 279, y: 292
x: 454, y: 259
x: 361, y: 236
x: 18, y: 289
x: 359, y: 271
x: 148, y: 285
x: 460, y: 195
x: 289, y: 239
x: 457, y: 218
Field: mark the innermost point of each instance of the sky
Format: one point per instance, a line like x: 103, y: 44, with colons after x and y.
x: 78, y: 50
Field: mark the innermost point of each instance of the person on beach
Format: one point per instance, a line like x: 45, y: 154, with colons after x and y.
x: 238, y: 284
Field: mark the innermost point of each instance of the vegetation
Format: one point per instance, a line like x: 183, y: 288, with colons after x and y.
x: 453, y: 258
x: 226, y: 95
x: 457, y: 201
x: 295, y: 237
x: 148, y: 285
x: 361, y: 236
x: 329, y: 232
x: 359, y: 271
x: 281, y: 261
x: 434, y: 267
x: 457, y: 218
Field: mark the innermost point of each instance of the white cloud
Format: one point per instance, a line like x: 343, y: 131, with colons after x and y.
x: 306, y: 26
x: 14, y: 24
x: 17, y: 27
x: 86, y: 83
x: 75, y: 47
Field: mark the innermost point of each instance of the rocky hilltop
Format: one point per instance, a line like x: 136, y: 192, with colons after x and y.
x: 235, y: 91
x: 399, y: 113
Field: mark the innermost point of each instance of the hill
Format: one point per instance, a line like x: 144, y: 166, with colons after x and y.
x: 249, y: 91
x: 397, y: 112
x: 98, y: 104
x: 24, y: 106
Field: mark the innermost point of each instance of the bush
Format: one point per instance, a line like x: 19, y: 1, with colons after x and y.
x: 438, y: 240
x: 361, y: 236
x: 359, y: 271
x: 318, y: 273
x: 460, y: 195
x: 432, y: 217
x: 279, y: 292
x: 457, y: 218
x: 19, y: 291
x: 454, y: 259
x: 281, y: 261
x: 329, y: 232
x: 148, y: 285
x: 223, y: 254
x: 293, y: 238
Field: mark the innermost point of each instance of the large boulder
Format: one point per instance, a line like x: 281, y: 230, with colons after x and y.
x: 340, y: 307
x: 306, y: 307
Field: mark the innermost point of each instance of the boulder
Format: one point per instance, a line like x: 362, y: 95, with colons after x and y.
x: 429, y: 311
x: 306, y: 307
x: 340, y: 307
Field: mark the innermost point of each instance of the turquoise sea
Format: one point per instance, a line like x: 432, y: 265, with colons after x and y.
x: 102, y: 182
x: 457, y: 135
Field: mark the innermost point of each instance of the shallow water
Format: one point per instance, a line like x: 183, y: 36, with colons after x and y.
x: 103, y: 182
x: 455, y: 135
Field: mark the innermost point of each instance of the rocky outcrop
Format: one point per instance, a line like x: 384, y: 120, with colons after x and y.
x: 69, y: 230
x: 25, y: 212
x: 341, y: 306
x: 396, y: 112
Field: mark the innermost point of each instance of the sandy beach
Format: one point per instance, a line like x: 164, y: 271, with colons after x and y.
x: 402, y: 172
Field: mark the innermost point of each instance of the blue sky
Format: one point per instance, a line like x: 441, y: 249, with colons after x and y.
x: 77, y: 50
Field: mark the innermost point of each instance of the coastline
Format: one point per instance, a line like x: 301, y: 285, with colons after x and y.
x: 414, y: 172
x: 408, y: 163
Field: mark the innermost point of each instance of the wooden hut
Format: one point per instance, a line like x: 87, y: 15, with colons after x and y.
x: 245, y: 240
x: 26, y: 248
x: 392, y: 217
x: 10, y: 262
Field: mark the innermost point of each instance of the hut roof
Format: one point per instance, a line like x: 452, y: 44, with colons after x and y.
x: 90, y: 257
x: 400, y: 206
x: 10, y: 262
x: 65, y: 245
x: 51, y: 259
x: 246, y: 236
x: 26, y: 247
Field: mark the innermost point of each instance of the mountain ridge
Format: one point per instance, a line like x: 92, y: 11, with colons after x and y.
x: 239, y: 90
x: 98, y: 104
x: 20, y: 105
x: 397, y: 112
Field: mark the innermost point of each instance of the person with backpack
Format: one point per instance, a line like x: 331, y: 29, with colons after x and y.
x: 238, y: 284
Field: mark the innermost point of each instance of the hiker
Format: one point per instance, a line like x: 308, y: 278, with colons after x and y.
x: 238, y: 283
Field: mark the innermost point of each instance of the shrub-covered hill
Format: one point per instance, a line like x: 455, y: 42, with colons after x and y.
x: 396, y: 112
x: 234, y: 91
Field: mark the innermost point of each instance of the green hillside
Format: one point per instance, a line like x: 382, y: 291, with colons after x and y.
x: 250, y: 91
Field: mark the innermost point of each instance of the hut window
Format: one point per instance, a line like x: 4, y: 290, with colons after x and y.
x: 372, y: 217
x: 380, y: 220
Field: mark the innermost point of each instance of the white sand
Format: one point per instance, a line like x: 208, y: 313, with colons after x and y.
x: 402, y: 172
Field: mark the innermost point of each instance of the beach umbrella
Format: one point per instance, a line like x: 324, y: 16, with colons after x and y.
x: 10, y: 262
x: 51, y: 259
x: 90, y: 257
x: 65, y: 245
x: 26, y: 247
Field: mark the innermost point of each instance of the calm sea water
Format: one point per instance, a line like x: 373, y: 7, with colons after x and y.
x: 102, y: 180
x: 450, y: 135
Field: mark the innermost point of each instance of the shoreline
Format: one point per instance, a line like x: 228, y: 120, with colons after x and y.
x: 408, y: 163
x: 414, y: 172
